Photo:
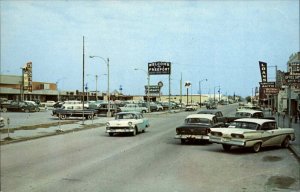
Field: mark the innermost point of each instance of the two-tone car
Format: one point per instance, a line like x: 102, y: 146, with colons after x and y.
x: 252, y: 133
x: 197, y: 127
x: 127, y: 122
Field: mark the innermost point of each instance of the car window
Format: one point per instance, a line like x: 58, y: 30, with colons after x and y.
x: 268, y: 126
x: 244, y: 125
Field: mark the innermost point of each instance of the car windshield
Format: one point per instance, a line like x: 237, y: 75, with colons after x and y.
x: 244, y: 125
x: 242, y: 114
x: 197, y: 120
x: 126, y: 116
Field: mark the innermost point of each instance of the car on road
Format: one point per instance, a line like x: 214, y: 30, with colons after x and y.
x: 127, y: 122
x: 215, y: 112
x: 68, y: 111
x: 197, y: 127
x: 252, y: 133
x: 191, y: 107
x: 211, y: 105
x: 102, y: 109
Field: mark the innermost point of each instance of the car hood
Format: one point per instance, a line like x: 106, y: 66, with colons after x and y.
x: 121, y: 122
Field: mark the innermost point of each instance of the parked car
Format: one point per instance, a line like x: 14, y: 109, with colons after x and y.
x: 69, y: 111
x: 197, y: 127
x: 211, y: 105
x: 215, y: 112
x: 191, y: 107
x: 18, y: 106
x: 252, y: 133
x: 102, y: 109
x: 127, y: 122
x: 134, y: 107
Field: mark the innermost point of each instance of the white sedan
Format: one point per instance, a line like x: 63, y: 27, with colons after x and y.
x: 127, y: 122
x: 253, y: 133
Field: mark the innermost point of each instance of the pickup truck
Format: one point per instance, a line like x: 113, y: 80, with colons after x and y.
x: 197, y: 127
x: 69, y: 111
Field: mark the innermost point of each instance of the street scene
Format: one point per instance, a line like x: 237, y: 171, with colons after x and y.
x: 180, y: 96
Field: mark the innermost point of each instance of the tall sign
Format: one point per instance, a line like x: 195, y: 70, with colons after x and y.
x: 27, y: 78
x: 159, y: 68
x: 263, y: 71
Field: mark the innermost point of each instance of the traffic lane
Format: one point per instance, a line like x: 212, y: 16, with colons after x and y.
x: 93, y: 161
x: 58, y: 157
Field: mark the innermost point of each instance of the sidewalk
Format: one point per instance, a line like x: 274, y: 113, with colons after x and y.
x: 286, y: 121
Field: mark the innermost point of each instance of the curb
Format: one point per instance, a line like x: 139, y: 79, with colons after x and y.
x: 294, y: 151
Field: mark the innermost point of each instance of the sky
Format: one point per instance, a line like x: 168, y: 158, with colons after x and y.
x: 221, y: 41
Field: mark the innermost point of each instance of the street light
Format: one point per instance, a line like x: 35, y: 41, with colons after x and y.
x: 215, y: 94
x: 200, y: 89
x: 148, y: 88
x: 108, y: 94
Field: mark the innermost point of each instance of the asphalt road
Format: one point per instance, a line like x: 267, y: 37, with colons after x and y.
x: 90, y: 160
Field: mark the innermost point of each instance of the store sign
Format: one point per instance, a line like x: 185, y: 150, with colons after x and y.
x: 159, y: 68
x: 291, y: 79
x: 267, y: 84
x: 153, y: 89
x: 263, y: 71
x: 271, y: 91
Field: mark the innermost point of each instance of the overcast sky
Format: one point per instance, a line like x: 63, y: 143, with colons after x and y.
x: 218, y: 40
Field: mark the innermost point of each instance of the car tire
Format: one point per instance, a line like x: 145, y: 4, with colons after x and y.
x: 135, y: 131
x: 90, y: 117
x: 63, y: 117
x: 144, y: 111
x: 286, y: 142
x: 256, y: 147
x: 182, y: 141
x: 111, y: 134
x: 226, y: 147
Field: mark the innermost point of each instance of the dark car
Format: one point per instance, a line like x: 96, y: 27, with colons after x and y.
x: 197, y: 127
x: 211, y: 106
x: 102, y: 109
x: 18, y: 106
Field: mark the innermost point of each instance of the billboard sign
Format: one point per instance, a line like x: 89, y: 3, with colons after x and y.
x: 159, y: 68
x: 263, y: 71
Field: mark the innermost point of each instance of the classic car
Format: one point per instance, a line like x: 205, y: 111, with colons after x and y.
x: 252, y: 133
x: 191, y: 107
x: 211, y: 105
x: 197, y: 127
x: 127, y: 122
x: 18, y: 106
x: 75, y: 110
x: 215, y: 112
x: 134, y: 107
x: 102, y: 108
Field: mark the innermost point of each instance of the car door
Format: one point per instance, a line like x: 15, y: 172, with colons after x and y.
x: 269, y: 136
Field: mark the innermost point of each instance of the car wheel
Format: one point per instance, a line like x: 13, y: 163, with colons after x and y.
x: 4, y: 109
x: 135, y: 131
x: 111, y: 134
x: 63, y: 117
x: 90, y: 116
x: 256, y: 147
x: 226, y: 147
x: 286, y: 142
x: 144, y: 111
x: 182, y: 141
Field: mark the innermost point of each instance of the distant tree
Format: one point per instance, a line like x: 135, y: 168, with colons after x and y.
x: 248, y: 99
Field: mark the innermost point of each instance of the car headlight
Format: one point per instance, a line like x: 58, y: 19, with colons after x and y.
x: 218, y: 134
x: 107, y: 124
x: 129, y: 124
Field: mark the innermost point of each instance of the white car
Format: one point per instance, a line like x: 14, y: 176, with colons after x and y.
x: 253, y: 133
x: 127, y: 122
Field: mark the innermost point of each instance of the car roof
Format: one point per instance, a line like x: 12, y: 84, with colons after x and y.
x: 248, y: 111
x: 206, y: 116
x: 136, y: 113
x: 254, y: 120
x: 213, y: 111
